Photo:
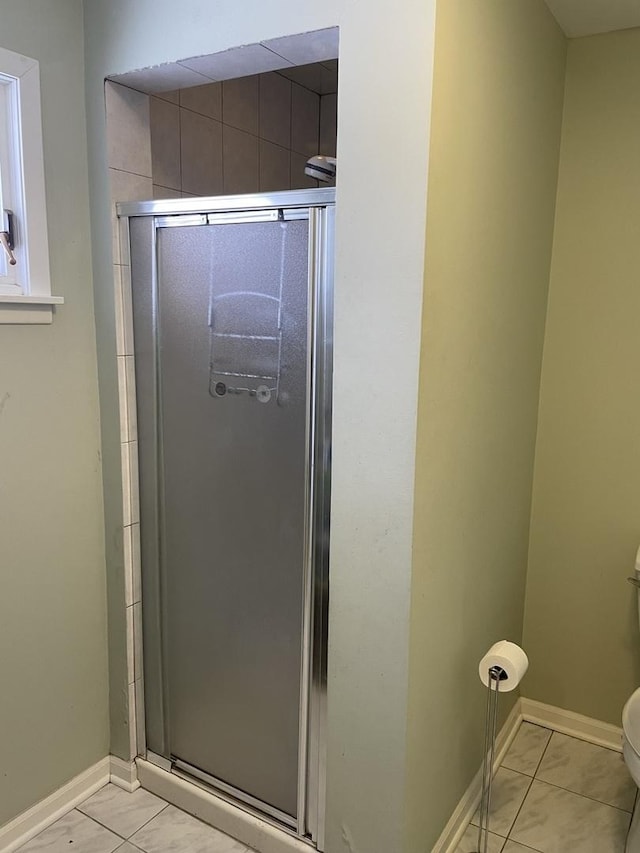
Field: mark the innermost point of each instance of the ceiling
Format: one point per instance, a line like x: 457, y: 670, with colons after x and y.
x: 587, y: 17
x: 317, y: 46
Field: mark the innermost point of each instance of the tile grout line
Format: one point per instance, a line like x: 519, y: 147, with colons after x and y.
x: 146, y: 823
x: 524, y: 799
x: 584, y: 796
x: 127, y: 172
x: 110, y: 829
x: 544, y: 752
x: 577, y: 793
x: 99, y: 823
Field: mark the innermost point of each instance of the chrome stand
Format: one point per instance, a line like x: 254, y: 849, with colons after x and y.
x: 496, y: 675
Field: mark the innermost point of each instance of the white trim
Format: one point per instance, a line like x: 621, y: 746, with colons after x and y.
x: 25, y: 194
x: 569, y: 723
x: 47, y: 811
x: 124, y: 774
x: 258, y: 834
x: 464, y: 811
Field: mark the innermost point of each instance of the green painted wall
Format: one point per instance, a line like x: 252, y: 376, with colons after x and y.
x: 53, y: 658
x: 497, y: 108
x: 581, y: 625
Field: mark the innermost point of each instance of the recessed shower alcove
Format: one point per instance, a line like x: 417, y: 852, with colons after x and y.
x: 209, y: 146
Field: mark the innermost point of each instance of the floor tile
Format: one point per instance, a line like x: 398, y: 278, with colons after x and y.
x: 527, y: 749
x: 553, y: 820
x: 514, y: 847
x: 469, y: 842
x: 587, y: 769
x: 121, y: 811
x: 174, y: 831
x: 509, y: 791
x: 127, y: 847
x: 85, y: 834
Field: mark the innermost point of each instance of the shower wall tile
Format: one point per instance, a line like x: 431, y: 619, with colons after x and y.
x: 119, y: 307
x: 132, y: 411
x: 134, y: 486
x: 329, y: 77
x: 122, y: 399
x: 131, y: 672
x: 201, y: 154
x: 275, y: 167
x: 136, y: 568
x: 264, y: 107
x: 162, y: 78
x: 206, y: 100
x: 240, y: 103
x: 305, y: 120
x: 319, y: 77
x: 230, y: 64
x: 275, y: 109
x: 173, y: 96
x: 132, y: 721
x: 316, y: 46
x: 240, y: 156
x: 126, y: 489
x: 137, y: 641
x: 125, y: 186
x: 127, y: 546
x: 309, y: 76
x: 123, y: 238
x: 141, y: 737
x: 165, y: 143
x: 328, y: 124
x: 130, y: 503
x: 165, y: 192
x: 127, y: 304
x: 129, y: 147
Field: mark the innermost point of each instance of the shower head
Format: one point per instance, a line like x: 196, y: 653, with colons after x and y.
x: 321, y: 167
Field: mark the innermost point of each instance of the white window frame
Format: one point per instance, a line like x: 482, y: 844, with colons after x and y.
x: 25, y: 289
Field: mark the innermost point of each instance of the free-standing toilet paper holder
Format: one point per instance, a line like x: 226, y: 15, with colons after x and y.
x: 496, y: 675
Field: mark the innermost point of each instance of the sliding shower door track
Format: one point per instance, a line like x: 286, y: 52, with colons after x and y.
x: 234, y: 795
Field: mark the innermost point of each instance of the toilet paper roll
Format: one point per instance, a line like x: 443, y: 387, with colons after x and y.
x: 510, y: 658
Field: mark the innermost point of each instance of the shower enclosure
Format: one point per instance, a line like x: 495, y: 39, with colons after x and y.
x: 232, y: 305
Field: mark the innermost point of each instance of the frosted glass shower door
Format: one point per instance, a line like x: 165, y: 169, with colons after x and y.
x: 233, y: 367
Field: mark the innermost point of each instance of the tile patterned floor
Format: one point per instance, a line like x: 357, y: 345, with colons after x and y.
x: 557, y: 794
x: 113, y: 820
x: 552, y: 794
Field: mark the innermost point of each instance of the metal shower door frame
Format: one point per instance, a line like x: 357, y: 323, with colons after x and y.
x: 319, y: 207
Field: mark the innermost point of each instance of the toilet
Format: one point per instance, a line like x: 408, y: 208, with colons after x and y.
x: 631, y: 745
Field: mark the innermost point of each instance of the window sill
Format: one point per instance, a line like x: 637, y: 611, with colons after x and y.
x: 28, y: 310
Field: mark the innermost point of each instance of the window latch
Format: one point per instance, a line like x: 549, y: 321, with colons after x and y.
x: 7, y: 239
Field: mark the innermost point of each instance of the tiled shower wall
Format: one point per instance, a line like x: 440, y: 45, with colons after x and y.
x: 129, y: 153
x: 247, y: 135
x: 251, y: 134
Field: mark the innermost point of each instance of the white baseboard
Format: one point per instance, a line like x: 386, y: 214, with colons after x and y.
x: 247, y: 828
x: 569, y: 723
x: 47, y: 811
x: 124, y: 774
x: 461, y: 817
